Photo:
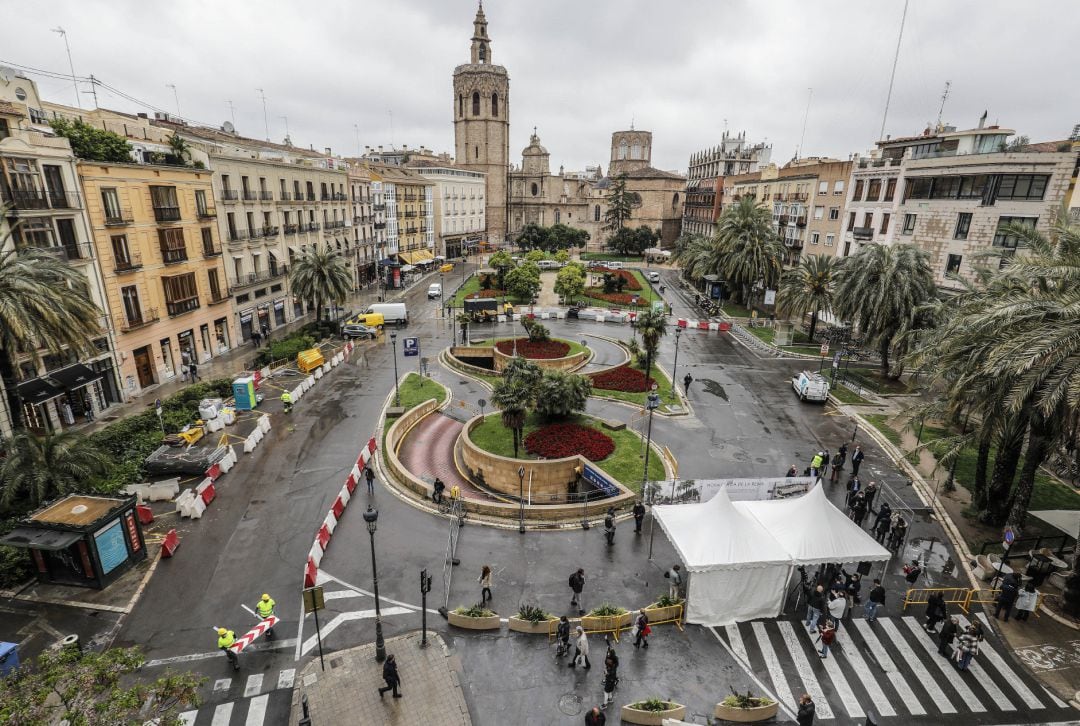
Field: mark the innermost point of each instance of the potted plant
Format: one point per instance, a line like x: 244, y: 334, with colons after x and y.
x: 533, y: 619
x: 607, y: 617
x: 652, y: 711
x: 665, y: 608
x: 473, y: 618
x: 745, y: 708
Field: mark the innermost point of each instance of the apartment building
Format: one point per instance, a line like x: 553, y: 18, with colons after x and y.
x: 365, y: 253
x: 160, y: 254
x: 44, y: 207
x: 458, y: 209
x: 806, y: 199
x: 413, y: 208
x: 705, y: 179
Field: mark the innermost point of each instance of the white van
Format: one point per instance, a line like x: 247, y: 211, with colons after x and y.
x: 811, y: 386
x: 654, y: 276
x: 434, y: 290
x: 391, y: 312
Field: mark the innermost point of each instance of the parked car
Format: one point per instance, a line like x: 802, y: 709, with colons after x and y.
x: 434, y: 290
x: 548, y: 264
x: 654, y: 276
x: 351, y: 331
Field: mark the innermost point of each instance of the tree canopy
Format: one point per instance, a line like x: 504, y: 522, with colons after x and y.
x: 633, y: 241
x: 808, y: 288
x: 88, y: 142
x: 321, y: 276
x: 620, y: 203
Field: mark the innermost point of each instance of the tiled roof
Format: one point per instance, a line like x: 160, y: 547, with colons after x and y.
x: 9, y: 109
x: 1043, y: 147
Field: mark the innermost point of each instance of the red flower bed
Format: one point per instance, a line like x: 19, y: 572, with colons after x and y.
x: 623, y: 378
x: 528, y: 349
x: 566, y: 439
x: 631, y: 281
x: 619, y: 298
x: 488, y: 293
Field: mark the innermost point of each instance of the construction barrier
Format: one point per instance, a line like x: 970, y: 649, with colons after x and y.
x: 989, y: 597
x: 206, y: 491
x: 146, y: 516
x: 605, y: 624
x: 170, y: 543
x: 954, y: 595
x: 677, y: 615
x: 250, y: 636
x: 214, y: 472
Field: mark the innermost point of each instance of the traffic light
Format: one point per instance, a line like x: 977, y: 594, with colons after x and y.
x: 425, y: 581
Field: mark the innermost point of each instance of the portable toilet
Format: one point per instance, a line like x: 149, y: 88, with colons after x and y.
x: 244, y: 393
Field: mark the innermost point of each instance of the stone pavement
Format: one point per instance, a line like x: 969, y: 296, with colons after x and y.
x: 346, y: 692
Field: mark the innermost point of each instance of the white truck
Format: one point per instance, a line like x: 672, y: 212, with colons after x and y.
x: 391, y: 312
x: 811, y: 386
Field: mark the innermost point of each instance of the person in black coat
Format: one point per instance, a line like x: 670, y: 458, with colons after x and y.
x: 945, y: 637
x: 935, y: 611
x: 639, y: 516
x: 807, y: 710
x: 1007, y: 597
x: 390, y: 675
x: 882, y: 521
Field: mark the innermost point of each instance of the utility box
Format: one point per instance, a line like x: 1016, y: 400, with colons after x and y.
x: 244, y: 393
x: 309, y: 360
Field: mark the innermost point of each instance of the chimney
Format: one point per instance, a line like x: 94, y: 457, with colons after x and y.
x: 380, y: 148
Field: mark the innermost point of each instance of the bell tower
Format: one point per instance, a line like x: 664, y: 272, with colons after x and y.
x: 482, y: 124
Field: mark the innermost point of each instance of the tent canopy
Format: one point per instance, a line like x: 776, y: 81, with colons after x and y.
x: 1067, y: 520
x: 813, y: 531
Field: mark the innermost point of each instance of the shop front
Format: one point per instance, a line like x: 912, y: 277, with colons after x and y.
x: 246, y: 317
x: 221, y: 335
x: 81, y: 540
x: 63, y: 397
x: 279, y: 311
x: 264, y: 318
x: 452, y: 247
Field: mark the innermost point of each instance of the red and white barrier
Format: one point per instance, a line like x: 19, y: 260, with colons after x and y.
x: 252, y: 635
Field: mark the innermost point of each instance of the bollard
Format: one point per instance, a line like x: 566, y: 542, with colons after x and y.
x: 305, y: 719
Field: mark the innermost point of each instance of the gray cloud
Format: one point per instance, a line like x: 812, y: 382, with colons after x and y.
x: 579, y: 70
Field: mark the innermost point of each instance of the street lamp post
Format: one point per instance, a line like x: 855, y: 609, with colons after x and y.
x: 442, y: 294
x: 371, y: 516
x: 675, y: 368
x: 397, y: 394
x: 521, y: 499
x: 652, y: 404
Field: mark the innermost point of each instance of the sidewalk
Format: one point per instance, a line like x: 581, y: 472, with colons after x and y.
x: 346, y: 692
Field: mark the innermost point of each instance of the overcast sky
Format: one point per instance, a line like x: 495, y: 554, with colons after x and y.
x: 578, y: 70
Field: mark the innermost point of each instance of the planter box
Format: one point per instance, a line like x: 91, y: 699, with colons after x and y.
x: 544, y: 627
x: 461, y: 621
x: 652, y: 718
x: 657, y: 614
x: 745, y: 715
x: 607, y: 622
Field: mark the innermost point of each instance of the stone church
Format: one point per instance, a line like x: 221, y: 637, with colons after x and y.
x: 517, y: 196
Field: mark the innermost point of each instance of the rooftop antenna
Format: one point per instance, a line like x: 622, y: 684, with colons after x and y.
x: 175, y: 97
x: 806, y: 115
x: 391, y: 112
x: 892, y: 76
x: 63, y: 34
x: 356, y: 128
x: 944, y: 95
x: 631, y: 123
x: 232, y: 112
x: 93, y: 88
x: 266, y: 119
x: 288, y: 141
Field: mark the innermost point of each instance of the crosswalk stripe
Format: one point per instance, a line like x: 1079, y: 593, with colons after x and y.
x: 928, y: 682
x: 806, y: 673
x: 772, y: 663
x: 222, y: 714
x: 843, y: 689
x: 735, y: 641
x: 1057, y: 701
x: 254, y: 685
x: 1007, y: 673
x: 286, y: 677
x: 862, y: 672
x: 257, y: 710
x: 907, y: 695
x: 222, y: 684
x: 951, y: 674
x: 188, y: 717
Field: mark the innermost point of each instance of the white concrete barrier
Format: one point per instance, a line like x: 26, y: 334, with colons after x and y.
x: 318, y: 373
x: 207, y: 482
x: 228, y: 462
x: 264, y: 424
x: 249, y: 444
x: 325, y: 368
x: 330, y: 522
x: 309, y: 381
x: 163, y: 491
x: 141, y: 491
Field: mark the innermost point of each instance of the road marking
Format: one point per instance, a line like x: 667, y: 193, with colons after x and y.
x: 945, y: 666
x: 907, y: 695
x: 843, y: 688
x: 277, y: 645
x: 362, y: 591
x: 1057, y: 701
x: 187, y: 718
x: 736, y: 642
x: 339, y: 594
x: 346, y: 617
x: 222, y: 684
x: 1007, y: 673
x: 254, y: 685
x: 222, y: 714
x: 806, y: 673
x: 752, y: 675
x: 877, y: 696
x: 772, y: 663
x: 257, y: 710
x: 983, y: 678
x: 286, y: 677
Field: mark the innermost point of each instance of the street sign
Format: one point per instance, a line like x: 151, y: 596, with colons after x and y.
x: 313, y: 600
x: 411, y: 346
x: 770, y: 297
x: 1009, y: 536
x: 824, y: 349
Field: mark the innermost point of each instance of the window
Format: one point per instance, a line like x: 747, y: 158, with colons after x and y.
x: 110, y: 200
x: 890, y: 190
x: 885, y: 223
x: 166, y: 355
x: 200, y: 202
x: 814, y: 236
x: 181, y: 293
x: 868, y: 219
x: 963, y: 225
x: 1011, y: 241
x: 208, y: 242
x: 4, y: 130
x: 952, y: 267
x: 596, y: 213
x: 819, y: 212
x: 35, y: 232
x: 121, y: 253
x: 172, y: 245
x: 1022, y: 186
x: 494, y: 104
x: 851, y: 221
x: 225, y: 182
x: 166, y: 207
x: 215, y: 286
x: 873, y: 190
x: 838, y: 187
x: 244, y: 186
x: 635, y: 151
x: 857, y: 196
x: 558, y: 216
x: 132, y: 308
x: 460, y: 105
x: 534, y: 189
x: 909, y: 224
x: 476, y: 103
x: 829, y: 239
x: 834, y: 213
x: 823, y: 187
x: 622, y: 150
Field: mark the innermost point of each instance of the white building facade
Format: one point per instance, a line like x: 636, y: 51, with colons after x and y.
x: 457, y: 213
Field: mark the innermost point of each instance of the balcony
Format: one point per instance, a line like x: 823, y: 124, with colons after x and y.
x: 337, y: 224
x: 311, y: 196
x: 800, y: 221
x: 798, y: 197
x: 378, y: 208
x: 132, y: 263
x: 256, y: 233
x: 270, y: 231
x: 793, y: 244
x: 341, y: 197
x: 261, y: 276
x: 266, y: 196
x: 291, y: 228
x: 250, y: 196
x: 313, y: 227
x: 118, y: 217
x: 380, y: 225
x: 217, y: 297
x: 179, y: 307
x: 19, y: 200
x: 782, y: 220
x: 863, y: 233
x: 209, y: 249
x: 167, y: 214
x: 206, y: 213
x: 139, y: 320
x: 410, y: 214
x: 238, y: 235
x: 173, y: 255
x: 229, y: 195
x: 284, y: 197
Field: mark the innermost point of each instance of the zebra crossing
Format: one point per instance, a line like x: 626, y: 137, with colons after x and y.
x: 892, y: 669
x: 257, y: 700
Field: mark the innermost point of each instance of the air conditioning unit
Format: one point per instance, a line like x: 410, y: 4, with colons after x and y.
x: 161, y: 116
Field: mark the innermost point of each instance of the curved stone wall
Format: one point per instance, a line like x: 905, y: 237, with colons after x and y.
x: 568, y: 363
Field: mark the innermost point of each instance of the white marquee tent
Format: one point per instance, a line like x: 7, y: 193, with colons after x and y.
x: 740, y: 555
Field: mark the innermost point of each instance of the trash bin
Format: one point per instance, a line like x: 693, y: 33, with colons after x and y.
x: 9, y: 658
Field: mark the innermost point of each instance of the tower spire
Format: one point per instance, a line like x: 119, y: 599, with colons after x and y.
x: 481, y: 48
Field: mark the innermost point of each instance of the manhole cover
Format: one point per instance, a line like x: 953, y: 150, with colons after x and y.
x: 570, y: 704
x: 336, y: 662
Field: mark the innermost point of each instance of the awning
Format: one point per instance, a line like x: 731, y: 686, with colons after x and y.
x: 388, y: 262
x: 74, y: 376
x: 40, y: 539
x: 1067, y: 520
x: 407, y: 257
x: 424, y: 257
x: 407, y: 268
x: 38, y: 390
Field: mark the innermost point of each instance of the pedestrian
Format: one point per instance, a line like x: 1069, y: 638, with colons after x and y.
x: 67, y: 414
x: 826, y: 459
x: 967, y: 649
x: 898, y: 532
x: 266, y: 333
x: 609, y: 526
x: 641, y: 629
x: 856, y: 460
x: 687, y: 380
x: 581, y: 650
x: 1026, y: 601
x: 814, y: 607
x: 792, y: 471
x: 185, y: 363
x: 256, y: 338
x: 639, y: 516
x: 837, y: 607
x: 874, y: 601
x: 225, y: 640
x: 827, y: 635
x: 935, y: 611
x: 595, y: 717
x: 437, y: 490
x: 577, y: 584
x: 485, y: 584
x: 853, y: 487
x: 807, y: 710
x: 837, y: 467
x: 871, y: 492
x: 611, y: 676
x: 842, y: 453
x: 815, y: 464
x: 852, y: 588
x: 1007, y: 596
x: 88, y: 409
x: 369, y: 475
x: 194, y: 370
x: 882, y: 521
x: 391, y: 676
x: 857, y: 510
x: 912, y: 572
x: 562, y: 634
x: 674, y: 576
x: 945, y: 637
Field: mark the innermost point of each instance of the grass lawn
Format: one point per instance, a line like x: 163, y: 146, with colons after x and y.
x: 663, y: 388
x: 646, y: 293
x: 846, y: 395
x: 414, y: 390
x: 767, y: 335
x: 878, y: 421
x: 624, y: 464
x: 814, y: 350
x: 871, y: 378
x: 735, y: 310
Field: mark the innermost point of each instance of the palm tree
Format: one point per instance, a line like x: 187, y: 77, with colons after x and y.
x: 321, y: 276
x: 512, y: 398
x: 561, y: 394
x: 181, y: 149
x: 808, y: 288
x: 883, y: 290
x: 652, y: 325
x: 749, y: 247
x: 38, y: 468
